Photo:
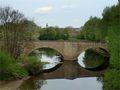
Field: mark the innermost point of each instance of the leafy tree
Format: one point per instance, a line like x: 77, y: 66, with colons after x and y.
x: 53, y: 33
x: 15, y: 30
x: 92, y: 30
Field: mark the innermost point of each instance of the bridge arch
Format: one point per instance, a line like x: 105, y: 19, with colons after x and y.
x: 68, y: 49
x: 56, y: 49
x: 99, y: 51
x: 99, y: 46
x: 93, y: 48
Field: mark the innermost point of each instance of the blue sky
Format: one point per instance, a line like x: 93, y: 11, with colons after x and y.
x: 59, y: 12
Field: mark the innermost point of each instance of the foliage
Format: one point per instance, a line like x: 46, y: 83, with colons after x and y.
x: 15, y: 29
x: 33, y: 30
x: 92, y: 30
x: 111, y: 80
x: 53, y: 33
x: 92, y: 59
x: 107, y: 29
x: 114, y: 47
x: 111, y: 17
x: 32, y: 84
x: 47, y: 51
x: 9, y: 69
x: 12, y: 69
x: 31, y: 63
x: 97, y: 29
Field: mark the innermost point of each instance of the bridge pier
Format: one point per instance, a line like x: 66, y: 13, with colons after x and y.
x: 70, y: 51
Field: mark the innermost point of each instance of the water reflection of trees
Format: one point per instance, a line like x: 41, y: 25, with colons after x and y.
x: 32, y: 84
x: 47, y: 51
x: 92, y: 59
x: 100, y: 79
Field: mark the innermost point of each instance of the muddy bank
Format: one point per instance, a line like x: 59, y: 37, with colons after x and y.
x: 12, y: 85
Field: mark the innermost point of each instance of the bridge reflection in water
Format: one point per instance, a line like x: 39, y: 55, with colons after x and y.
x: 68, y: 70
x: 70, y: 74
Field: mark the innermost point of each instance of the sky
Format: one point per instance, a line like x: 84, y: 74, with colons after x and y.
x: 60, y: 13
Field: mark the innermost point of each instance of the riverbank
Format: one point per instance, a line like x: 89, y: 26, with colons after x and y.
x: 24, y: 78
x: 111, y: 80
x: 11, y: 69
x: 12, y: 85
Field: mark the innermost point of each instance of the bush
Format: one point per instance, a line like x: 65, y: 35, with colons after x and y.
x: 9, y: 69
x: 111, y: 80
x: 31, y: 63
x: 114, y: 46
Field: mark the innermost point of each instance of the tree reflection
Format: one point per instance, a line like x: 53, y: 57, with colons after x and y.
x: 47, y: 51
x: 92, y: 59
x: 100, y: 79
x: 32, y: 84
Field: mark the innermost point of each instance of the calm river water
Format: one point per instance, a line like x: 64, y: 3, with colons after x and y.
x: 68, y: 75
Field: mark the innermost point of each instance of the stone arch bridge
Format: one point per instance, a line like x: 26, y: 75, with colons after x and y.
x: 68, y: 49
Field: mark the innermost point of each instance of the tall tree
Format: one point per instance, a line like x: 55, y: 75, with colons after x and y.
x: 14, y: 28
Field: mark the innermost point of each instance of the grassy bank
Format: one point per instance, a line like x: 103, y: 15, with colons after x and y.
x: 11, y: 69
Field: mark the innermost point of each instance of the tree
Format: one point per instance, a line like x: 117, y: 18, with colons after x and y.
x: 92, y: 30
x: 14, y: 29
x: 53, y: 33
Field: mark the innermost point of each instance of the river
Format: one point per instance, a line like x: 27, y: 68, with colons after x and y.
x: 83, y: 74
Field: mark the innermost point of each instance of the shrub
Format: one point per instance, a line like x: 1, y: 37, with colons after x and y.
x: 9, y: 69
x: 31, y: 63
x: 111, y: 80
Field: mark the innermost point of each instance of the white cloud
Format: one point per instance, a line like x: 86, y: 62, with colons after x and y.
x: 43, y: 10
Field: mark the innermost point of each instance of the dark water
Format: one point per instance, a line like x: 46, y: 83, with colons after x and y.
x: 62, y: 84
x: 68, y: 76
x: 48, y: 56
x: 92, y: 60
